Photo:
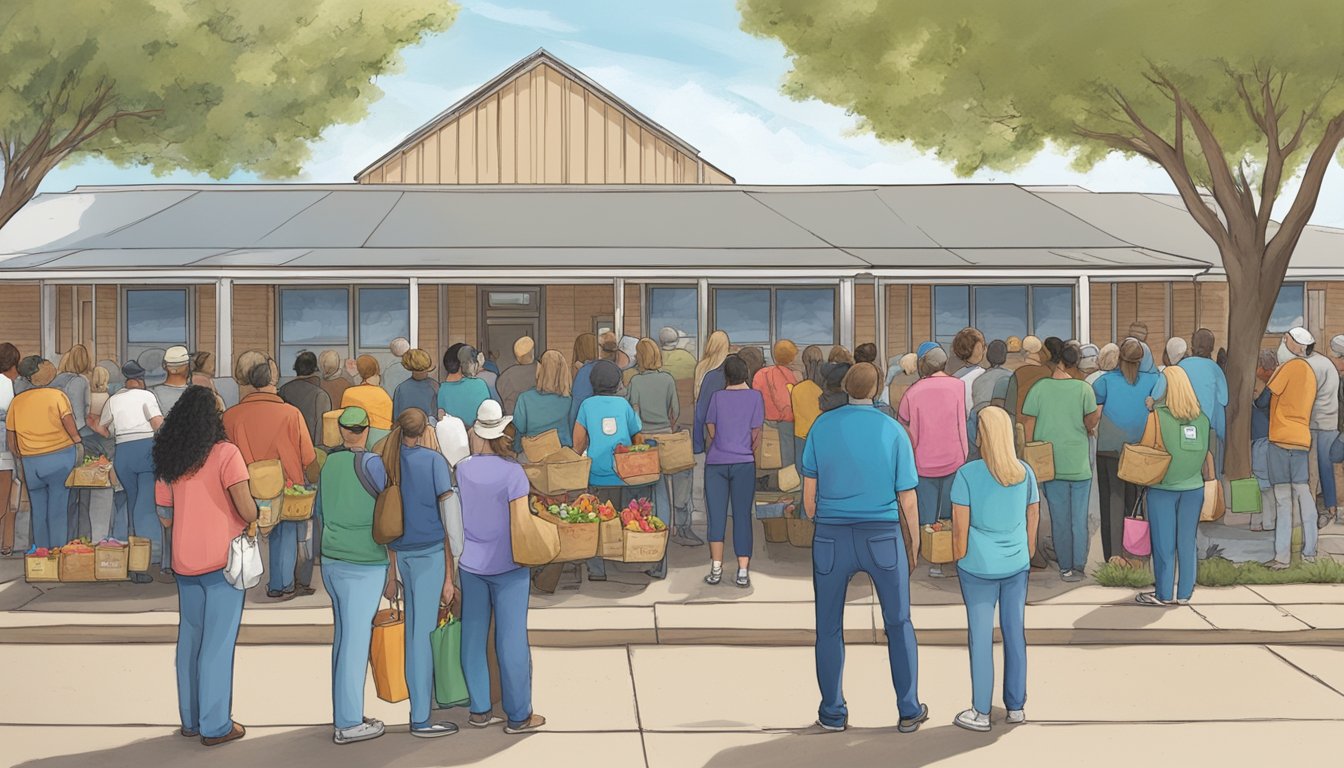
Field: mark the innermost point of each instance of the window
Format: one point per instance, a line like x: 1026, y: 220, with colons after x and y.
x: 384, y: 314
x: 762, y: 316
x: 676, y: 308
x: 1000, y: 311
x: 1289, y: 308
x: 314, y: 319
x: 156, y: 318
x: 805, y: 315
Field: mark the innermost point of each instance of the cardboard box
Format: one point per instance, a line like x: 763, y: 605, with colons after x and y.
x: 610, y: 539
x: 138, y: 555
x: 769, y: 455
x: 643, y: 547
x: 79, y: 566
x: 538, y: 447
x: 111, y: 563
x: 559, y: 472
x: 674, y: 452
x: 578, y: 541
x: 776, y: 529
x: 41, y: 568
x: 936, y: 546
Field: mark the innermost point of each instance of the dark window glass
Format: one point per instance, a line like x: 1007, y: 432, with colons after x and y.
x: 675, y: 308
x: 744, y: 314
x: 156, y: 316
x: 1052, y: 310
x: 951, y: 312
x: 805, y: 316
x: 1289, y: 308
x: 384, y: 314
x: 1001, y: 311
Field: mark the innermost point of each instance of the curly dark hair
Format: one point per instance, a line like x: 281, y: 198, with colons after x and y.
x: 189, y: 432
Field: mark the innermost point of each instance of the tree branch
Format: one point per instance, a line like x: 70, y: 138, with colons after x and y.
x: 1279, y: 250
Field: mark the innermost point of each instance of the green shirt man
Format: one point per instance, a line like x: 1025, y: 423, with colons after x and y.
x: 1059, y: 406
x: 345, y: 500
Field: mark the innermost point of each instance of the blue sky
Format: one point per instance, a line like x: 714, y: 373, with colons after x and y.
x: 688, y: 66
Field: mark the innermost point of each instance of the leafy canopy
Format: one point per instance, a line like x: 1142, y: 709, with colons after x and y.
x: 208, y: 86
x: 987, y: 84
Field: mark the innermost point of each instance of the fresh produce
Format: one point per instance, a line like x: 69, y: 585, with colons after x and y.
x: 99, y: 460
x: 638, y: 516
x: 299, y: 490
x: 938, y: 526
x: 43, y: 552
x: 113, y: 543
x: 582, y: 510
x: 78, y: 546
x: 639, y: 448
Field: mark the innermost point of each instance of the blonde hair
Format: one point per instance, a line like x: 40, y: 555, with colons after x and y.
x: 784, y: 352
x: 648, y: 355
x: 243, y: 365
x: 98, y: 379
x: 329, y: 361
x: 1109, y: 357
x: 552, y: 376
x: 716, y: 351
x: 1180, y: 399
x: 76, y: 360
x: 997, y: 448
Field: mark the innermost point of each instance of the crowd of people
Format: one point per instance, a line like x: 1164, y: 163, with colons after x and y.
x: 941, y: 435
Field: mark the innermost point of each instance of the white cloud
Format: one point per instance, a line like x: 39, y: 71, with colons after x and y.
x: 522, y: 17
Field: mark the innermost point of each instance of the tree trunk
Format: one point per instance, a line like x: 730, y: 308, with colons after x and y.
x: 1248, y: 314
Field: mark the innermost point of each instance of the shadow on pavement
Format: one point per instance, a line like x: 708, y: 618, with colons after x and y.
x: 861, y: 746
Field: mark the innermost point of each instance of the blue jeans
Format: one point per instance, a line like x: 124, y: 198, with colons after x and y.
x: 284, y: 553
x: 422, y: 573
x: 45, y: 476
x: 934, y: 495
x: 1173, y: 518
x: 839, y: 552
x: 209, y: 612
x: 735, y: 483
x: 980, y: 595
x: 1321, y: 440
x: 505, y: 596
x: 355, y: 589
x: 134, y: 463
x: 621, y: 496
x: 1067, y: 502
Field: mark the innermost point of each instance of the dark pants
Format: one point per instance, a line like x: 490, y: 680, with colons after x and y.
x: 735, y: 483
x: 839, y: 552
x: 621, y: 496
x: 1117, y: 498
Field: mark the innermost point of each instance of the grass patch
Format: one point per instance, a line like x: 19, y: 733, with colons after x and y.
x: 1221, y: 572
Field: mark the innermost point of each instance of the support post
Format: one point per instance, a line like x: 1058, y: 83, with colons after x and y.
x: 223, y: 326
x: 880, y: 309
x: 413, y: 302
x: 847, y: 313
x: 1084, y: 305
x: 47, y: 312
x: 701, y: 313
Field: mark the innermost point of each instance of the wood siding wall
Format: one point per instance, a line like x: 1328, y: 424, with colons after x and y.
x: 461, y: 316
x: 543, y: 128
x: 921, y: 314
x: 206, y: 319
x: 253, y: 321
x: 21, y: 317
x: 1100, y: 296
x: 429, y: 324
x: 633, y: 324
x: 109, y: 323
x: 571, y: 309
x: 865, y: 313
x: 898, y: 317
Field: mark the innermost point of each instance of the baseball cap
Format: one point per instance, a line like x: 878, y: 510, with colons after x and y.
x: 924, y: 348
x: 131, y: 371
x: 353, y: 416
x: 177, y: 355
x: 1301, y: 335
x: 1089, y: 350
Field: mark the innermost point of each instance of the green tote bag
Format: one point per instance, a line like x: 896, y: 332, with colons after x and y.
x: 450, y: 683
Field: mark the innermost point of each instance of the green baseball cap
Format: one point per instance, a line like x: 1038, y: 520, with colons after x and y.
x: 353, y: 416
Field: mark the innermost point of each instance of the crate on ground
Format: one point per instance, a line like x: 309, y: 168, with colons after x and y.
x: 800, y: 528
x: 79, y: 565
x: 111, y: 562
x: 43, y: 567
x: 776, y: 529
x: 138, y: 554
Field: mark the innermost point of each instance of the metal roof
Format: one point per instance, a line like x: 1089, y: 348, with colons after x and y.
x: 217, y: 230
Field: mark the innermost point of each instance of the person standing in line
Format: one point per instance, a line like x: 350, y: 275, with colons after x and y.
x: 519, y: 377
x: 708, y: 380
x: 203, y: 370
x: 133, y: 417
x: 1033, y: 368
x: 900, y: 377
x: 605, y: 421
x: 733, y: 426
x: 9, y: 362
x: 1089, y: 362
x: 305, y: 392
x: 370, y: 395
x: 354, y: 569
x: 653, y: 395
x: 859, y: 480
x: 1062, y: 411
x: 983, y: 387
x: 1122, y: 397
x: 419, y: 391
x: 201, y: 484
x: 72, y: 378
x: 424, y: 559
x: 581, y: 387
x: 676, y: 361
x: 1293, y: 390
x: 775, y: 383
x: 1139, y: 332
x: 546, y: 405
x: 755, y: 360
x: 177, y: 370
x: 265, y: 427
x: 1264, y: 371
x: 1174, y: 502
x: 839, y: 354
x: 1337, y: 347
x: 46, y: 444
x: 461, y: 392
x: 934, y: 411
x: 487, y: 371
x: 1210, y: 385
x: 116, y: 525
x: 333, y: 380
x: 396, y: 372
x: 806, y: 401
x: 1108, y: 359
x: 242, y: 369
x: 995, y: 512
x: 833, y: 393
x: 1324, y: 431
x: 494, y: 587
x: 968, y: 348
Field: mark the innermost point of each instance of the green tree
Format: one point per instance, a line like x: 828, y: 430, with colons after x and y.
x: 1230, y: 97
x: 208, y: 86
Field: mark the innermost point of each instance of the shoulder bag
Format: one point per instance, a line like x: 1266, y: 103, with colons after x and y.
x: 1143, y: 464
x: 388, y: 523
x: 1135, y: 538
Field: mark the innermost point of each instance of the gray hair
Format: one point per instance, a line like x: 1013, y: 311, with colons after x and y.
x: 260, y: 375
x: 668, y: 337
x: 933, y: 361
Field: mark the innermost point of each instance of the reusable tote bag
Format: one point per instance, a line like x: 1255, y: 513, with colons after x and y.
x: 387, y: 652
x: 450, y: 682
x: 1135, y: 536
x: 244, y: 569
x: 535, y: 541
x: 1143, y: 464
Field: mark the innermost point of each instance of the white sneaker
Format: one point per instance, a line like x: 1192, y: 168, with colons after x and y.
x: 1017, y: 716
x: 362, y: 732
x: 434, y: 730
x: 972, y: 721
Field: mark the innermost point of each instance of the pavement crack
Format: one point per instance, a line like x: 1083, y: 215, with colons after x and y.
x: 1295, y: 666
x: 634, y: 690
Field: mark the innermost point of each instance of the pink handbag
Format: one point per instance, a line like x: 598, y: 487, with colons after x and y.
x: 1135, y: 539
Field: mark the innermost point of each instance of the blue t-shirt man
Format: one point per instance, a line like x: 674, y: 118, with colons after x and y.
x: 861, y: 459
x: 424, y: 478
x: 996, y: 546
x: 462, y: 398
x: 1124, y: 411
x: 1210, y: 385
x: 610, y: 422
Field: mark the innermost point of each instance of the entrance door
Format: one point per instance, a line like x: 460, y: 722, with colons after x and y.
x: 508, y: 313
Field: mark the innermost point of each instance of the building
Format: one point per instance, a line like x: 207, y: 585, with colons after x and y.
x: 543, y: 205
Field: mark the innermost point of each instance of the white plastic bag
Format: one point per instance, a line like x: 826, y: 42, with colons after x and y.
x: 450, y: 513
x: 244, y: 569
